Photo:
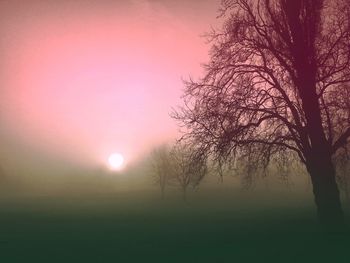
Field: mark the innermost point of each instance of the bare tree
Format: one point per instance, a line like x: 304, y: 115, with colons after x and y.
x: 277, y: 84
x: 189, y: 168
x: 162, y: 167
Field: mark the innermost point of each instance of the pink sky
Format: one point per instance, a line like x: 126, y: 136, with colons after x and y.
x: 82, y: 79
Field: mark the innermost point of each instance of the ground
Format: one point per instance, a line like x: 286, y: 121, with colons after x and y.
x: 136, y: 226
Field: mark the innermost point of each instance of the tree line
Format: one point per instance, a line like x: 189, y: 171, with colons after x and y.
x: 177, y: 166
x: 173, y: 166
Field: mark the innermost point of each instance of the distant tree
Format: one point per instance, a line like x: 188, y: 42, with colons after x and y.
x: 342, y: 161
x: 188, y: 168
x: 162, y: 167
x: 277, y: 84
x: 281, y: 167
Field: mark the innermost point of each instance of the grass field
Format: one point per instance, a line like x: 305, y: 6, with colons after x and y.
x: 136, y: 226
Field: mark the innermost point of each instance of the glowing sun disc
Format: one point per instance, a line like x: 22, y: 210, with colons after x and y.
x: 116, y: 161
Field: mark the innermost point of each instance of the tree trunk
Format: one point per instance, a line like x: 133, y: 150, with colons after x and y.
x: 325, y: 189
x: 318, y: 154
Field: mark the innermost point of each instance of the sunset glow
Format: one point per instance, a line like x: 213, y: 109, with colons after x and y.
x: 82, y: 78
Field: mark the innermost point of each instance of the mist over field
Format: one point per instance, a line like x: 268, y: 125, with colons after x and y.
x: 102, y: 215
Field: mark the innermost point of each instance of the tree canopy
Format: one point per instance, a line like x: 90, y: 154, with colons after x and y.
x: 278, y: 82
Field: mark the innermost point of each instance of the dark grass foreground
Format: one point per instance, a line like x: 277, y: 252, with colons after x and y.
x: 131, y: 227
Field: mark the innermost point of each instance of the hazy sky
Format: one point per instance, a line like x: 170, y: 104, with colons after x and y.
x: 82, y: 79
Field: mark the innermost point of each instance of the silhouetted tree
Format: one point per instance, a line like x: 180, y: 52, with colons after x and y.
x: 162, y: 167
x: 188, y: 168
x: 278, y: 83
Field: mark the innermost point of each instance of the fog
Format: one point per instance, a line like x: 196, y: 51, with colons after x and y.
x: 80, y: 80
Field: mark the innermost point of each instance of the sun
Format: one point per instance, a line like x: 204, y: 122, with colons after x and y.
x: 116, y: 161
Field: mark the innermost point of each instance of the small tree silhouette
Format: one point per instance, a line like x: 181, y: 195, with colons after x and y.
x: 162, y: 166
x: 188, y: 168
